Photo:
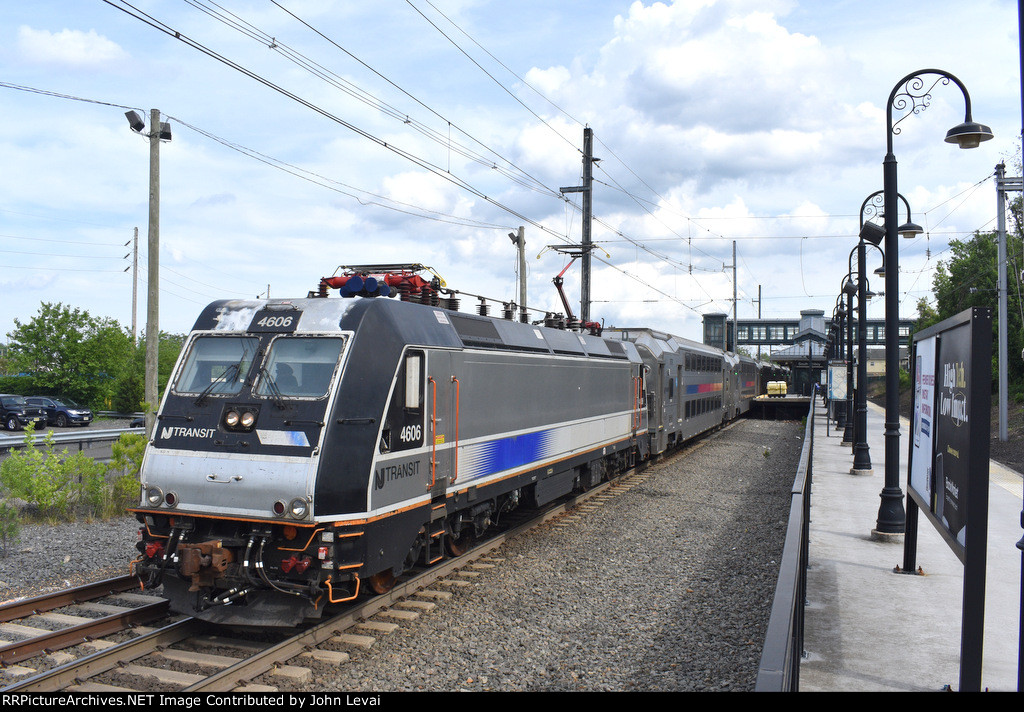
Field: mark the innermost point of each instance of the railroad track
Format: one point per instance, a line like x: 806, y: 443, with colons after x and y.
x: 183, y: 657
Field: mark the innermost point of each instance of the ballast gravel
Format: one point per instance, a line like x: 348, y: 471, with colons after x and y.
x: 665, y: 586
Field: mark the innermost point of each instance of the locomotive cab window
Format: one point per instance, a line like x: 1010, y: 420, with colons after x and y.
x: 414, y: 381
x: 299, y: 366
x: 403, y: 425
x: 217, y: 364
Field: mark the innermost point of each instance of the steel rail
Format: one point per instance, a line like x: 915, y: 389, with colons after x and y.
x: 60, y: 678
x: 78, y: 634
x: 21, y: 608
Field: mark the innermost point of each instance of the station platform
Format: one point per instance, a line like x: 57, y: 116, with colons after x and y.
x: 869, y: 628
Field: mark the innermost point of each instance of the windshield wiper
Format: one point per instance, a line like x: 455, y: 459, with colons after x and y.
x: 275, y: 392
x: 229, y: 372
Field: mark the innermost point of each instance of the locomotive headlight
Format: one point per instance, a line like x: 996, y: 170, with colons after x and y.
x: 298, y: 508
x: 239, y: 418
x: 154, y: 496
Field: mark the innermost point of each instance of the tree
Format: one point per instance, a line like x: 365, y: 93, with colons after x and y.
x: 927, y: 315
x: 70, y: 353
x: 970, y: 279
x: 129, y: 388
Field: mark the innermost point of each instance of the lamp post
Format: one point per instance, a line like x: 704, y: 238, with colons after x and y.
x: 839, y: 354
x: 849, y: 289
x: 910, y: 94
x: 870, y: 234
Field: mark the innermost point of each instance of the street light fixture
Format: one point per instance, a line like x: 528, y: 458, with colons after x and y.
x: 911, y: 95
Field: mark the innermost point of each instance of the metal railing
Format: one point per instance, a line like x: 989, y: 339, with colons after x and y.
x: 784, y: 641
x: 83, y: 439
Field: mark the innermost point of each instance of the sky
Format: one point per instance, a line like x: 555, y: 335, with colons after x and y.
x: 308, y: 135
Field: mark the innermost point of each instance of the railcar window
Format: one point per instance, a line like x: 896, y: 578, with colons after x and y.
x: 299, y: 366
x: 217, y: 364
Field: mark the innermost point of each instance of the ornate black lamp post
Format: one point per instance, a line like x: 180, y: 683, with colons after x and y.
x: 911, y: 95
x: 838, y: 352
x: 870, y: 234
x: 849, y: 289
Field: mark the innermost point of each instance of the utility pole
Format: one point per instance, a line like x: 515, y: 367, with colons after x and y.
x: 735, y: 326
x: 588, y: 210
x: 153, y: 287
x: 135, y: 281
x: 519, y: 240
x: 1003, y: 185
x: 734, y: 322
x: 759, y: 318
x: 158, y: 131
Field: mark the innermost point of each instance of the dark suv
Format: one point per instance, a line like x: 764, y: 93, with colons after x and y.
x: 61, y: 412
x: 16, y: 413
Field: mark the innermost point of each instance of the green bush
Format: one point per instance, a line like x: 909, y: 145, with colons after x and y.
x: 124, y: 468
x: 59, y: 486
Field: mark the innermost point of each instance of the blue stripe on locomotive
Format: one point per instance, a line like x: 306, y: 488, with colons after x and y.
x: 505, y: 454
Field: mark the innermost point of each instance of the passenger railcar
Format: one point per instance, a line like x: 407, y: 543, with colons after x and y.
x: 688, y: 386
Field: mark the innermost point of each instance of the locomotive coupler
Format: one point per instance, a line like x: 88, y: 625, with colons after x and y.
x: 203, y: 562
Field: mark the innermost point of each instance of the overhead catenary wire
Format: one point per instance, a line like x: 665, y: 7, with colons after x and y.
x: 427, y: 165
x: 668, y: 255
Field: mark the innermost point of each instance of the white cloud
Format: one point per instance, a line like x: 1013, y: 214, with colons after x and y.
x: 759, y: 121
x: 68, y: 48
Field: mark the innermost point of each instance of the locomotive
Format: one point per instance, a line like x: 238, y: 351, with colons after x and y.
x: 310, y: 450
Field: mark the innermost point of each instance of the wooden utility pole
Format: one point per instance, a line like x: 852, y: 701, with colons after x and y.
x: 153, y: 285
x: 135, y: 282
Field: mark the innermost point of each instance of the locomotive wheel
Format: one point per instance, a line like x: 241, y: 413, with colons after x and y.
x: 458, y: 547
x: 382, y: 581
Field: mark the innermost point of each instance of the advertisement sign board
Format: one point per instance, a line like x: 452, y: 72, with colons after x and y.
x: 949, y: 451
x: 837, y: 380
x: 924, y: 418
x: 948, y: 464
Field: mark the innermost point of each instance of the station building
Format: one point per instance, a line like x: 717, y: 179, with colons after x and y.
x: 800, y: 343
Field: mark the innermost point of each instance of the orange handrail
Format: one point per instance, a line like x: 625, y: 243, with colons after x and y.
x: 330, y: 592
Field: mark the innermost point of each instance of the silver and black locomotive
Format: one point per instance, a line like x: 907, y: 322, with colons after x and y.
x: 309, y: 450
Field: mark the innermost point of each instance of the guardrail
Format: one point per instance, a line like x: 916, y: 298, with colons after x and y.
x: 82, y: 438
x: 784, y: 640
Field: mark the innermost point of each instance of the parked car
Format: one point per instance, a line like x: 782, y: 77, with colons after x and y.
x: 62, y: 412
x: 16, y: 413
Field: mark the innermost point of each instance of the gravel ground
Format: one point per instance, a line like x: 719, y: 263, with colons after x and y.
x: 50, y: 557
x: 666, y: 587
